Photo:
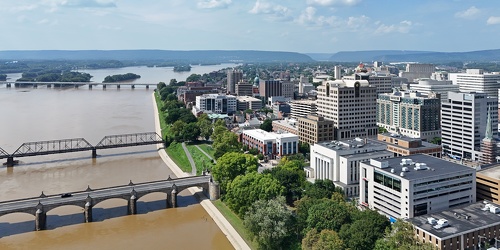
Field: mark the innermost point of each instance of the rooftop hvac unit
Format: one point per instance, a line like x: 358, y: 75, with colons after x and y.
x: 431, y: 221
x: 441, y: 223
x: 406, y: 162
x: 405, y: 169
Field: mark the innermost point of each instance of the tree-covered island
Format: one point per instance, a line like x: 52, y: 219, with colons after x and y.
x: 121, y: 78
x: 180, y: 68
x: 3, y: 77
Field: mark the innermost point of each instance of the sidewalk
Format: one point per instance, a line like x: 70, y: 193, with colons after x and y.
x: 220, y: 220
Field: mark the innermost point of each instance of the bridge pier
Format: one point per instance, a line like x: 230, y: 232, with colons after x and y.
x: 147, y: 86
x: 133, y: 86
x: 8, y: 85
x: 87, y: 212
x: 94, y: 153
x: 132, y: 205
x: 35, y: 85
x: 213, y: 190
x: 118, y: 86
x: 173, y: 198
x: 49, y: 85
x: 104, y: 86
x: 10, y: 161
x: 40, y: 219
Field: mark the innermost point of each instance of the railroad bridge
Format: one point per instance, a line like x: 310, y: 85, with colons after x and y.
x: 74, y: 84
x: 39, y: 206
x: 80, y: 144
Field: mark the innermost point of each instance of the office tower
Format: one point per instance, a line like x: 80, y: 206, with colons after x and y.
x: 475, y: 80
x: 415, y: 71
x: 301, y: 108
x: 428, y: 86
x: 313, y: 129
x: 269, y: 88
x: 410, y: 114
x: 234, y: 76
x: 464, y: 122
x: 337, y: 72
x: 351, y: 105
x: 216, y: 103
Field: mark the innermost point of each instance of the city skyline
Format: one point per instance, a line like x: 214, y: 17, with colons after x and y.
x: 305, y: 26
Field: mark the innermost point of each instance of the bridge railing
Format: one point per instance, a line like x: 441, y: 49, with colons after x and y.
x: 3, y: 154
x: 113, y: 141
x: 53, y: 146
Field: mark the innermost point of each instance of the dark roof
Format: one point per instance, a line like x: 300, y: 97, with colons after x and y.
x: 458, y: 223
x: 435, y: 166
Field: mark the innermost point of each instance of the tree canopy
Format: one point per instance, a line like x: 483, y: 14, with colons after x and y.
x: 267, y: 125
x: 326, y: 239
x: 244, y: 190
x: 270, y: 223
x: 231, y: 165
x: 400, y: 235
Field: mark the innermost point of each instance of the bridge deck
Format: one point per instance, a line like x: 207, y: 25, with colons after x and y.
x: 81, y: 197
x: 77, y: 83
x: 52, y: 147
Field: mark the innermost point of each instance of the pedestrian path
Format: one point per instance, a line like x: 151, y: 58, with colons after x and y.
x: 190, y: 158
x: 209, y: 157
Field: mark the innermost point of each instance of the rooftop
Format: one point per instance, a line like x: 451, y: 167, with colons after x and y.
x: 247, y: 99
x: 492, y: 171
x: 432, y: 166
x: 350, y: 144
x: 460, y: 220
x: 264, y: 135
x: 291, y: 123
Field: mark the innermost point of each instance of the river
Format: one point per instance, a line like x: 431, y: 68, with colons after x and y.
x: 46, y: 114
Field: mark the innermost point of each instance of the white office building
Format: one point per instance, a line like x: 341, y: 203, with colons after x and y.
x: 463, y: 123
x: 441, y: 87
x: 476, y: 80
x: 409, y: 186
x: 351, y: 105
x: 302, y: 108
x: 416, y: 71
x: 216, y: 103
x: 339, y: 161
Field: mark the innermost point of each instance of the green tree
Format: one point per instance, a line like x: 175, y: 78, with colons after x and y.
x: 365, y: 230
x: 191, y: 132
x: 193, y: 78
x: 160, y: 85
x: 267, y: 125
x: 225, y: 142
x: 326, y: 239
x: 270, y: 223
x: 291, y: 178
x: 436, y: 140
x: 382, y: 130
x: 231, y: 165
x: 400, y: 235
x: 321, y: 189
x: 205, y: 125
x: 304, y: 148
x: 173, y: 82
x: 244, y: 190
x: 328, y: 214
x: 177, y: 130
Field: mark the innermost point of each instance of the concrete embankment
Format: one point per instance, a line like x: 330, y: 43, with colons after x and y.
x: 220, y: 220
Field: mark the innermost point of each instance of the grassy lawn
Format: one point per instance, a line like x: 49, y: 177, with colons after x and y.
x: 199, y: 158
x: 236, y: 222
x: 176, y: 152
x: 164, y: 126
x: 208, y: 149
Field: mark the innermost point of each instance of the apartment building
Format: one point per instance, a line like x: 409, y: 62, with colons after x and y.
x: 216, y: 103
x: 410, y: 113
x: 313, y: 129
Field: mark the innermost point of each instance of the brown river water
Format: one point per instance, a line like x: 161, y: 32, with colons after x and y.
x: 29, y: 115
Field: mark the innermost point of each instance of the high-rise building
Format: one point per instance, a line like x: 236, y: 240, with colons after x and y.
x: 410, y: 113
x: 288, y: 88
x: 351, y: 105
x: 337, y: 72
x: 269, y: 88
x: 301, y: 108
x: 247, y: 102
x: 428, y: 86
x: 234, y: 76
x: 416, y: 70
x: 383, y: 82
x: 244, y: 89
x: 216, y: 103
x: 464, y: 122
x: 475, y: 80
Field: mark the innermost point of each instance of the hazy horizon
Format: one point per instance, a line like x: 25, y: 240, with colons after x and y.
x: 304, y: 26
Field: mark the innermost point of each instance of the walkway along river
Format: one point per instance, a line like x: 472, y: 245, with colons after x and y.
x: 45, y: 114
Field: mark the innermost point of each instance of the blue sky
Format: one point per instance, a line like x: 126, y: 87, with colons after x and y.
x: 324, y: 26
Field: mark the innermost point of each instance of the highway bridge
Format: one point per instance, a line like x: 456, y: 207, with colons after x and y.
x: 74, y: 84
x: 79, y: 144
x: 86, y: 199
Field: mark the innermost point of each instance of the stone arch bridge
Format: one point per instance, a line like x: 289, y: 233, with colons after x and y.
x: 39, y: 206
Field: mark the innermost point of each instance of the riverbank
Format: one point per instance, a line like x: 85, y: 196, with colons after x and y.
x: 220, y: 220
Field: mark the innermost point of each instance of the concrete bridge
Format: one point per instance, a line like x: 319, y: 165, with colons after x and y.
x: 80, y: 144
x: 39, y: 206
x: 74, y: 84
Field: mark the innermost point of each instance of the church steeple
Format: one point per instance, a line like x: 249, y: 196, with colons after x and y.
x: 489, y: 133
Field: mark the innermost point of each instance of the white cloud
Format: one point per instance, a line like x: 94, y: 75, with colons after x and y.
x: 402, y: 27
x: 357, y: 22
x: 275, y: 11
x: 493, y: 20
x: 309, y: 17
x: 54, y: 5
x: 333, y: 2
x: 21, y: 8
x: 213, y: 4
x: 469, y: 13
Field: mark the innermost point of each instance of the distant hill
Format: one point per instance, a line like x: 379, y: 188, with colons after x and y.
x: 320, y: 56
x: 415, y: 56
x: 192, y: 56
